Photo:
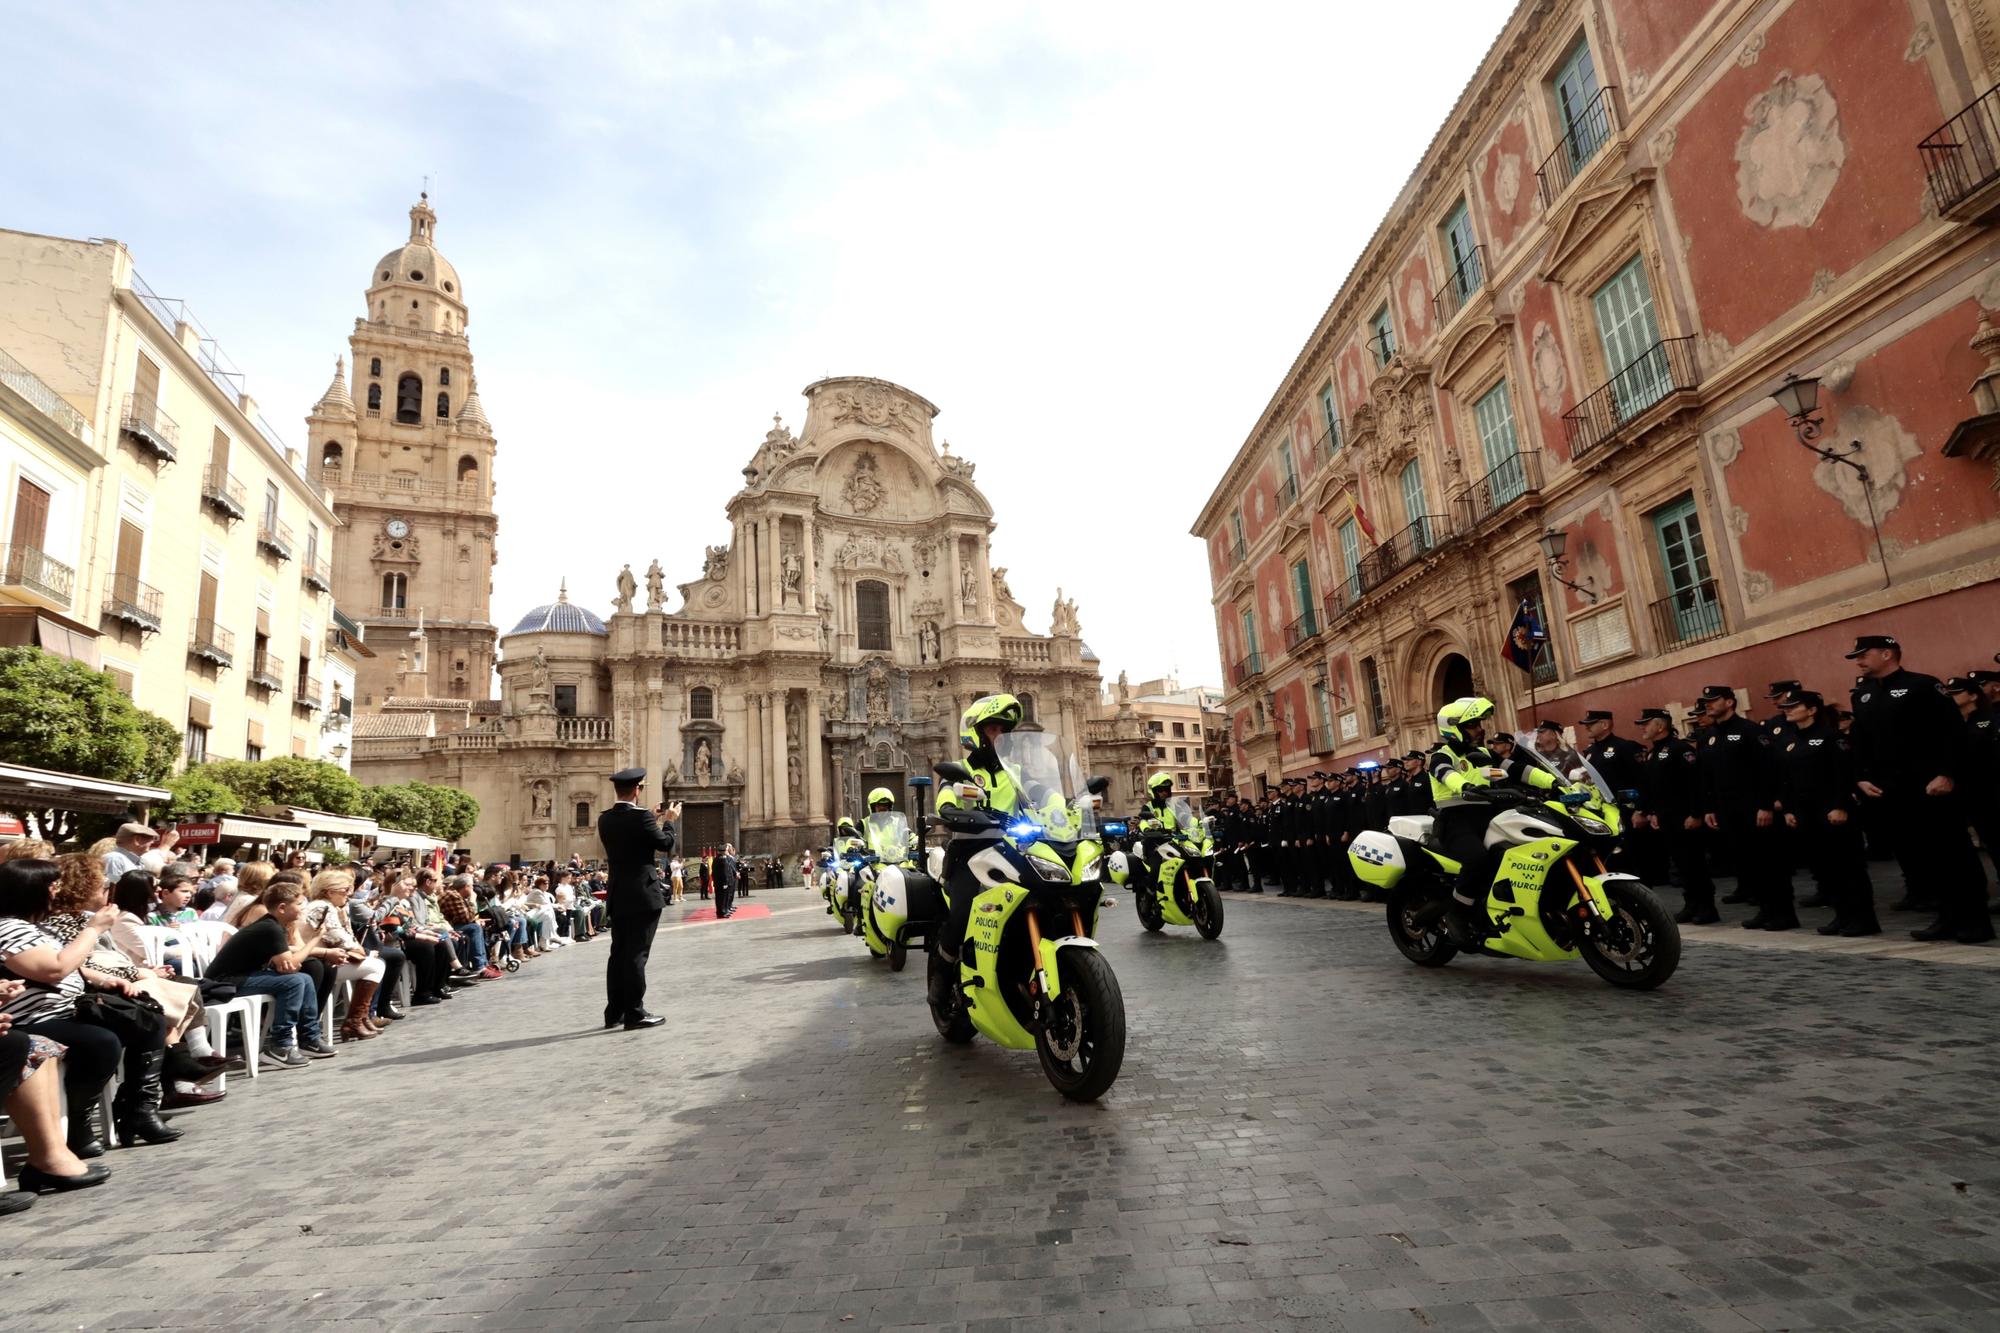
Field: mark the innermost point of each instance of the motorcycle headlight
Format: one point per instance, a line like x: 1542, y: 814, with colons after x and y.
x: 1050, y: 870
x: 1091, y: 868
x: 1590, y: 825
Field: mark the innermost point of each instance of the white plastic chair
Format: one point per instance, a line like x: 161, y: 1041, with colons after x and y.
x: 253, y: 1015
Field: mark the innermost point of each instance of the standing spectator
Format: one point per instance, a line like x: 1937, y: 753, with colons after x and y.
x: 679, y: 888
x: 1908, y: 744
x: 133, y: 841
x: 1670, y: 803
x: 701, y: 876
x: 1737, y: 795
x: 1817, y: 777
x: 725, y: 881
x: 1980, y: 771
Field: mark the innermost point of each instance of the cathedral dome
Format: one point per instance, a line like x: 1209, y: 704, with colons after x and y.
x: 418, y: 262
x: 561, y: 616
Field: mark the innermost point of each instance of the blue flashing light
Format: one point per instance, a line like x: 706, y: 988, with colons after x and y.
x: 1368, y: 764
x: 1024, y: 828
x: 1115, y: 827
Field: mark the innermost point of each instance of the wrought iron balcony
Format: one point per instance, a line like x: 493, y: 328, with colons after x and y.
x: 1421, y: 537
x: 135, y: 603
x: 317, y: 575
x: 265, y: 673
x: 1301, y: 630
x: 26, y: 568
x: 308, y: 698
x: 1328, y: 443
x: 46, y: 400
x: 211, y: 642
x: 1581, y: 141
x: 1238, y: 552
x: 150, y: 428
x: 1341, y: 598
x: 1247, y: 669
x: 1515, y: 477
x: 1692, y: 615
x: 1288, y: 493
x: 1661, y: 371
x: 1962, y: 159
x: 222, y: 492
x: 1321, y: 740
x: 339, y: 715
x: 276, y: 538
x: 1460, y: 287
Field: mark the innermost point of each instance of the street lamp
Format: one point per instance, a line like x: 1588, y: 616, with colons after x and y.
x: 1554, y: 542
x: 1798, y: 399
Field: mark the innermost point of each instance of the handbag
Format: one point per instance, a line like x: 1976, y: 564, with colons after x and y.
x: 137, y: 1022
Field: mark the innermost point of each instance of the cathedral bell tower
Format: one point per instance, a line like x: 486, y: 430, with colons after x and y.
x: 407, y: 457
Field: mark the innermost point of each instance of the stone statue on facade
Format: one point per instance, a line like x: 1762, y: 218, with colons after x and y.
x: 628, y: 588
x: 968, y: 585
x: 1001, y: 592
x: 673, y: 774
x: 735, y: 775
x: 863, y: 491
x: 878, y: 694
x: 1124, y: 689
x: 794, y: 570
x: 952, y: 465
x: 541, y: 804
x: 792, y: 723
x: 656, y: 587
x: 538, y: 671
x: 928, y: 648
x: 714, y: 562
x: 1062, y: 621
x: 704, y: 763
x: 796, y: 773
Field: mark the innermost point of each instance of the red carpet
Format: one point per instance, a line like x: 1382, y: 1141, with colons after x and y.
x: 744, y: 912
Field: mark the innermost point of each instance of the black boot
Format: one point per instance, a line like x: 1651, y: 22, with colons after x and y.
x: 137, y: 1105
x: 82, y: 1137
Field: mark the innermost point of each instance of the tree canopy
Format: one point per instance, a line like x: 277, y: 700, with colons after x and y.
x: 196, y: 792
x: 63, y: 715
x: 313, y: 784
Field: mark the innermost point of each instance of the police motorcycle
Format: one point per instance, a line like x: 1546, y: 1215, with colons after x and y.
x: 1181, y: 891
x: 900, y: 904
x: 1029, y: 972
x: 840, y: 867
x: 1552, y: 899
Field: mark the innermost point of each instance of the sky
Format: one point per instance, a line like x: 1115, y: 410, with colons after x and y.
x: 1095, y: 235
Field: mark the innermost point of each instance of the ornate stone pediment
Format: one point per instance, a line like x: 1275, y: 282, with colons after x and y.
x: 1467, y: 344
x: 1579, y: 219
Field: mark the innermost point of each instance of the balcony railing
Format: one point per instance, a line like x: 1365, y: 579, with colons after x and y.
x: 1962, y: 156
x: 1418, y: 539
x: 1247, y: 669
x: 265, y: 672
x: 135, y: 603
x: 1238, y: 552
x: 211, y: 642
x: 1328, y: 443
x: 26, y: 567
x: 402, y: 483
x: 1321, y: 740
x: 222, y: 492
x: 1581, y: 140
x: 583, y: 730
x: 1288, y: 493
x: 1692, y: 615
x: 1301, y: 630
x: 153, y: 430
x: 276, y: 538
x: 392, y: 613
x: 308, y: 699
x: 1662, y: 370
x: 339, y: 716
x: 1515, y: 477
x: 317, y: 575
x: 1464, y: 282
x: 46, y: 400
x: 1341, y: 598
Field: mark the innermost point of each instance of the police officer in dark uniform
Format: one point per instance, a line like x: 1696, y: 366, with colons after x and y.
x: 1979, y: 772
x: 1506, y: 754
x: 1354, y: 822
x: 633, y: 839
x: 1375, y: 800
x: 1312, y: 848
x: 1776, y: 727
x: 1737, y: 797
x: 1669, y: 807
x: 1908, y: 744
x: 1615, y: 758
x: 1333, y: 832
x: 1816, y: 782
x: 1416, y: 769
x: 1264, y: 864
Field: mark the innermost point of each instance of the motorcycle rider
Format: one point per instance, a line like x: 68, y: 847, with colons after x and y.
x: 880, y: 841
x: 1156, y: 824
x: 984, y: 721
x: 1460, y: 763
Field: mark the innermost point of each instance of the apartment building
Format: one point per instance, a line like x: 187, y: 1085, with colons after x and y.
x: 156, y: 520
x: 1549, y: 381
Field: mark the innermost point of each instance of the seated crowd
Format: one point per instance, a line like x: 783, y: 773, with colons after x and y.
x: 107, y: 958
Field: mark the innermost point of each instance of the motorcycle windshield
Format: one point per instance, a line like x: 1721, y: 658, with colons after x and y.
x: 1524, y: 745
x: 889, y: 833
x: 1186, y: 822
x: 1038, y: 768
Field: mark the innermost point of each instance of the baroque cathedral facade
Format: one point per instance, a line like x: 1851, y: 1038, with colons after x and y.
x: 826, y: 649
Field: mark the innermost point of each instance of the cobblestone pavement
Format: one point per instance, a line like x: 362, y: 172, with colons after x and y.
x: 1308, y: 1133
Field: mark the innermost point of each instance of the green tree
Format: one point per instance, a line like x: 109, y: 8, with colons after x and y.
x: 455, y: 812
x: 403, y: 805
x: 196, y: 792
x: 62, y: 715
x: 311, y: 783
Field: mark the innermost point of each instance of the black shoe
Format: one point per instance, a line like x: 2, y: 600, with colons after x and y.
x: 1833, y: 927
x: 1939, y: 929
x: 1707, y: 916
x: 420, y: 999
x: 1757, y: 921
x: 1910, y: 904
x: 1814, y: 901
x: 642, y: 1019
x: 611, y: 1021
x: 1738, y: 897
x: 391, y: 1012
x: 136, y: 1108
x: 1854, y: 930
x: 37, y: 1181
x: 1980, y: 932
x: 1786, y: 922
x: 82, y: 1138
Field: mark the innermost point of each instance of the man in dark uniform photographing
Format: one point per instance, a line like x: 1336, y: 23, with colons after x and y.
x: 633, y: 838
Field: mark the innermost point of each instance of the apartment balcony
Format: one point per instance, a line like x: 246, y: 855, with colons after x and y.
x: 151, y: 429
x: 1341, y: 598
x: 583, y: 730
x: 1581, y: 141
x: 1513, y: 479
x: 25, y: 569
x: 1692, y: 615
x: 1288, y: 493
x: 276, y: 538
x: 1463, y: 284
x: 317, y: 575
x: 1618, y: 411
x: 1238, y: 552
x: 137, y: 604
x: 1962, y: 160
x: 339, y: 716
x: 1246, y: 669
x: 309, y: 698
x: 223, y: 493
x: 1302, y: 631
x: 265, y: 673
x: 1420, y: 538
x: 44, y: 399
x: 211, y: 643
x: 1328, y: 443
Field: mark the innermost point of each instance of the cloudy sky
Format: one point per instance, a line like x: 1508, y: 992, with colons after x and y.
x: 1094, y: 235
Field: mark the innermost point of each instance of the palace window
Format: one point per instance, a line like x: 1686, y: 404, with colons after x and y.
x: 583, y: 814
x: 871, y: 615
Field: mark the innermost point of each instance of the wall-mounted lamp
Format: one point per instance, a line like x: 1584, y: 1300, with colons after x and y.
x: 1798, y: 399
x: 1554, y: 542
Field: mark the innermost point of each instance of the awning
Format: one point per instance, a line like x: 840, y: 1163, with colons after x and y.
x: 319, y: 821
x: 415, y: 842
x: 39, y: 788
x: 243, y: 828
x: 32, y: 627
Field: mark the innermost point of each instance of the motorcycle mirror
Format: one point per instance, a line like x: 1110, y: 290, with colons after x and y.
x: 1579, y: 775
x: 952, y: 771
x: 1097, y: 786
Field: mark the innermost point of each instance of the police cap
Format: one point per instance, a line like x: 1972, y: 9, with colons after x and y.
x: 1864, y: 642
x: 1803, y: 699
x: 1985, y: 677
x: 628, y: 777
x: 1546, y: 725
x: 1655, y: 714
x: 1780, y: 688
x: 1960, y: 685
x: 1594, y: 715
x: 1717, y: 692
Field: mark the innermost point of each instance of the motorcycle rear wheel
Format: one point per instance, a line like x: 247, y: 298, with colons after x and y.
x: 899, y: 954
x: 1146, y: 902
x: 952, y: 1023
x: 1083, y: 1043
x: 1426, y: 946
x: 1208, y: 912
x: 1640, y: 947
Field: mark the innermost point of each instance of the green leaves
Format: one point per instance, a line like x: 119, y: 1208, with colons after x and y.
x: 55, y: 713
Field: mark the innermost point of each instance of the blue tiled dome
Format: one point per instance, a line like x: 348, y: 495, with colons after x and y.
x: 561, y: 616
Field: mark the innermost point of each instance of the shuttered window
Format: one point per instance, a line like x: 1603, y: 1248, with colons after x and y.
x: 31, y: 516
x: 871, y: 615
x: 1630, y: 334
x: 131, y: 548
x: 205, y: 599
x: 146, y: 385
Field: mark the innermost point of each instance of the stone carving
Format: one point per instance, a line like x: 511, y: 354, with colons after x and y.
x: 778, y: 445
x: 878, y: 693
x: 1752, y: 49
x: 1001, y: 592
x: 538, y: 672
x: 625, y: 735
x: 1507, y: 182
x: 856, y: 552
x: 704, y: 762
x: 1757, y: 585
x: 1062, y: 620
x: 734, y: 777
x: 792, y: 569
x: 1417, y: 305
x: 1790, y: 153
x: 927, y: 642
x: 1737, y: 519
x: 1551, y: 376
x: 656, y: 587
x: 714, y: 562
x: 792, y: 723
x: 1124, y: 689
x: 1725, y: 445
x: 673, y: 774
x: 953, y: 465
x: 541, y: 801
x: 928, y: 606
x: 404, y: 550
x: 800, y: 632
x: 968, y: 595
x: 875, y: 406
x: 924, y: 550
x: 628, y: 588
x: 1823, y: 280
x: 795, y: 773
x: 863, y: 491
x: 834, y: 704
x: 1663, y: 145
x: 1887, y: 449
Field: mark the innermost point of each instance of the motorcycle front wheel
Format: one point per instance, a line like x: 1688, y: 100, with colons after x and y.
x: 1640, y: 946
x: 1423, y: 943
x: 1146, y: 901
x: 1207, y: 910
x: 951, y: 1020
x: 1083, y: 1042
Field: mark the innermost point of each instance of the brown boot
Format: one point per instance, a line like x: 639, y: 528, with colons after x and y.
x: 356, y: 1027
